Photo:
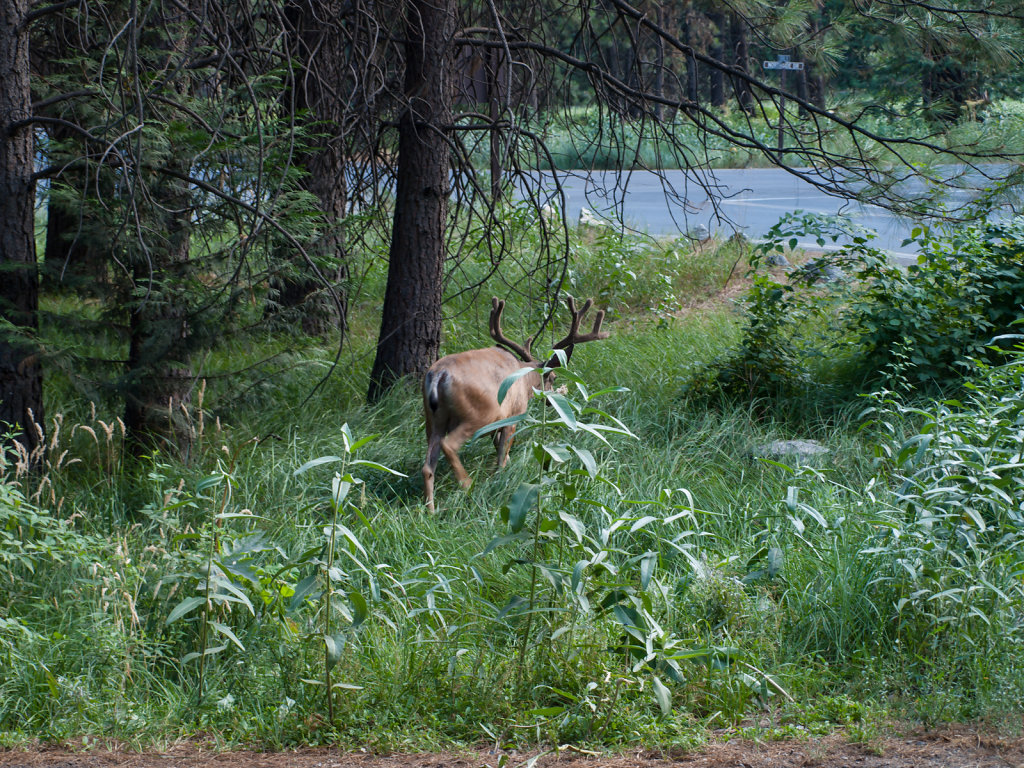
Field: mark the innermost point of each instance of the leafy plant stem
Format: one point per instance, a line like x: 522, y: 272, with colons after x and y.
x: 533, y: 584
x: 327, y: 607
x: 524, y: 640
x: 205, y: 615
x: 218, y: 522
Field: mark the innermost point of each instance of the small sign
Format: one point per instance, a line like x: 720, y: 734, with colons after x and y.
x: 782, y: 61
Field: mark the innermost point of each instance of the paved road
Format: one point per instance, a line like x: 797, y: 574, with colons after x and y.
x: 749, y: 201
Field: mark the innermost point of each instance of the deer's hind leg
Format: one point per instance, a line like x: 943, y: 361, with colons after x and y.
x: 430, y: 466
x: 450, y: 444
x: 434, y: 437
x: 503, y: 442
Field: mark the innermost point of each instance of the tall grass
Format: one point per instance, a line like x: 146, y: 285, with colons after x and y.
x: 635, y: 589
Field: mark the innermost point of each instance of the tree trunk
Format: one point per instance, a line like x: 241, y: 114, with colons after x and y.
x: 816, y: 87
x: 720, y: 33
x: 410, y: 331
x: 659, y: 64
x: 744, y: 98
x: 159, y: 376
x: 692, y: 76
x: 495, y: 66
x: 73, y: 256
x: 64, y: 250
x: 315, y: 91
x: 21, y: 378
x: 70, y: 258
x: 815, y: 78
x: 801, y: 79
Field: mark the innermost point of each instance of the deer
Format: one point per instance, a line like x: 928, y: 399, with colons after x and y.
x: 975, y: 105
x: 460, y: 391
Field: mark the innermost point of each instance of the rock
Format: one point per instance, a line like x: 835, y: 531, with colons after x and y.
x: 550, y: 215
x: 590, y: 219
x: 699, y: 232
x: 821, y: 269
x: 801, y: 449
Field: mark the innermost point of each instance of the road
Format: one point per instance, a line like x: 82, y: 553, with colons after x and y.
x: 747, y: 200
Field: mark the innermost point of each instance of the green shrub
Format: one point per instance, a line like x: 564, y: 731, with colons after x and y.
x: 930, y: 320
x: 33, y: 539
x: 949, y: 556
x: 923, y: 326
x: 917, y: 577
x: 767, y: 361
x: 785, y: 325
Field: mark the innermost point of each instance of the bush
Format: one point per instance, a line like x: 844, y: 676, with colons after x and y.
x: 923, y: 326
x: 948, y: 555
x: 786, y: 320
x: 929, y: 321
x: 915, y: 578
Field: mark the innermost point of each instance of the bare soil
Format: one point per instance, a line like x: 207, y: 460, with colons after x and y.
x: 951, y: 747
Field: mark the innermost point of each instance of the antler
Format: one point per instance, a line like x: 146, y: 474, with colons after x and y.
x: 523, y: 350
x: 573, y: 338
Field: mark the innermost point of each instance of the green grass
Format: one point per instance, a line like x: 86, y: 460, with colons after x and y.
x: 582, y: 138
x: 687, y: 584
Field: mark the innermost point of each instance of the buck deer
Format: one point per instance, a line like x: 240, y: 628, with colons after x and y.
x: 460, y: 391
x: 975, y: 105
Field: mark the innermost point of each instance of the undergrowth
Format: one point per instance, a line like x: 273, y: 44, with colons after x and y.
x: 634, y: 576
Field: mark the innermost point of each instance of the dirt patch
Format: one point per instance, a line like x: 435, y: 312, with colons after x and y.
x: 738, y: 282
x: 948, y: 748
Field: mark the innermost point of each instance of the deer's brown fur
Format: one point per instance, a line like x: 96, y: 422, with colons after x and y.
x: 460, y: 392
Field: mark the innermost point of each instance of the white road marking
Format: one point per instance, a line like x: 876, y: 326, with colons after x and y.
x: 758, y: 199
x: 747, y: 204
x: 821, y: 200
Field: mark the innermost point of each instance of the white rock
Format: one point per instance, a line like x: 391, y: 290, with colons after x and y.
x: 699, y: 232
x: 801, y: 449
x: 590, y: 219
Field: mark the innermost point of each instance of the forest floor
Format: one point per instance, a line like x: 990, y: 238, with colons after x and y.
x: 949, y: 747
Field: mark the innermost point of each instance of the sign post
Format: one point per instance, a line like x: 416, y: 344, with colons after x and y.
x: 783, y: 64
